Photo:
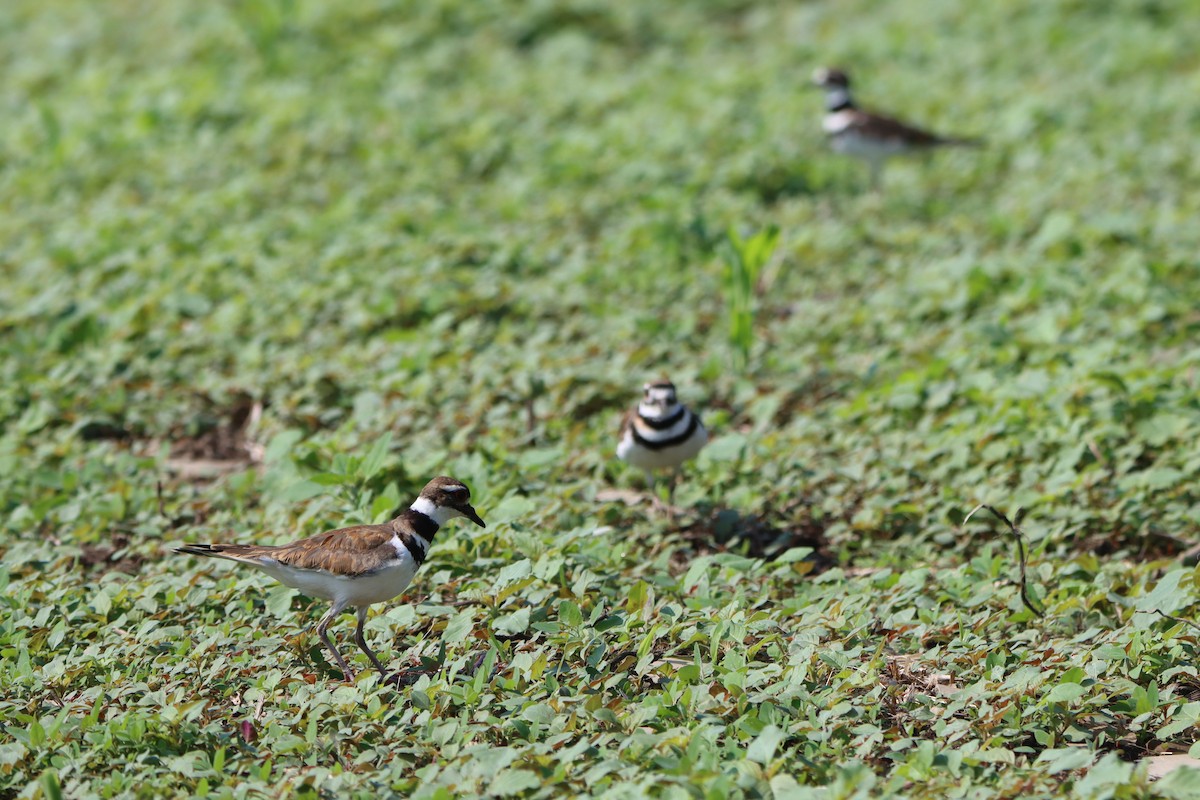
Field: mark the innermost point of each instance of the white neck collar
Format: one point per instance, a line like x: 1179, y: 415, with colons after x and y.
x: 439, y: 514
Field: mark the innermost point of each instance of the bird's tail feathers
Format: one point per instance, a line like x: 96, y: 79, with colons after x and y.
x: 964, y: 141
x: 231, y: 552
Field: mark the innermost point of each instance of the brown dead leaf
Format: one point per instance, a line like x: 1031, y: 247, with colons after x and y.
x: 626, y: 496
x: 217, y: 450
x: 907, y: 670
x: 1159, y: 766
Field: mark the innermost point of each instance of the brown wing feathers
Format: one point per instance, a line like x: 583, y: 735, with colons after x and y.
x: 626, y: 421
x: 347, y: 551
x: 882, y: 127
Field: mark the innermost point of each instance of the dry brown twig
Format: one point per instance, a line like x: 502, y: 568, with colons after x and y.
x: 1179, y: 620
x: 1016, y: 532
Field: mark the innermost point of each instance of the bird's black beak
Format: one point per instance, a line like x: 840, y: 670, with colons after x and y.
x: 470, y: 514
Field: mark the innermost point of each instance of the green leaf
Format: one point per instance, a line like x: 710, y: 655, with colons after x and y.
x: 514, y: 572
x: 51, y: 786
x: 793, y: 554
x: 37, y: 734
x: 383, y: 505
x: 1167, y: 596
x: 375, y: 457
x: 608, y: 622
x: 101, y: 602
x: 513, y: 781
x: 459, y: 626
x: 11, y: 754
x: 785, y: 787
x: 281, y: 444
x: 730, y: 447
x: 301, y: 491
x: 512, y: 508
x: 330, y: 479
x: 514, y: 623
x: 1065, y: 693
x: 279, y: 600
x: 763, y: 748
x: 569, y: 613
x: 1065, y: 759
x: 745, y: 259
x: 1110, y: 770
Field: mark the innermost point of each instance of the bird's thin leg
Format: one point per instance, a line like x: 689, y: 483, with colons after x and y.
x: 671, y: 490
x: 322, y: 631
x: 651, y: 488
x: 362, y: 642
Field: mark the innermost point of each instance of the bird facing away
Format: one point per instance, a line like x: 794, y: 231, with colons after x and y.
x: 874, y: 138
x: 661, y: 433
x: 356, y: 566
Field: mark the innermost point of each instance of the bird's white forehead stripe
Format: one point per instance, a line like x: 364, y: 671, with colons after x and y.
x: 650, y: 409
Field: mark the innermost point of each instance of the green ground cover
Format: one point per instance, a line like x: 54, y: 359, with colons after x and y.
x: 267, y: 266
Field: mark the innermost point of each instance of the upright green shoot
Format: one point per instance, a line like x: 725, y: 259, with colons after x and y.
x: 744, y: 262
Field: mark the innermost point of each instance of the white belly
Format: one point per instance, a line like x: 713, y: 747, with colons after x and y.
x: 852, y: 143
x: 846, y: 138
x: 838, y: 122
x: 667, y: 458
x: 346, y: 591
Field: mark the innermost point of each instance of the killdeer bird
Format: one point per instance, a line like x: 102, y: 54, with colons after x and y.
x: 871, y: 137
x: 661, y: 433
x: 356, y: 566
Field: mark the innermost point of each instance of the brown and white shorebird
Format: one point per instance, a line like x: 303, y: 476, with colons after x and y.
x: 661, y: 433
x: 874, y: 138
x: 356, y: 566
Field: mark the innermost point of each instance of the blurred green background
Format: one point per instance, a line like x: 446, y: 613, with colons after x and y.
x: 268, y: 266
